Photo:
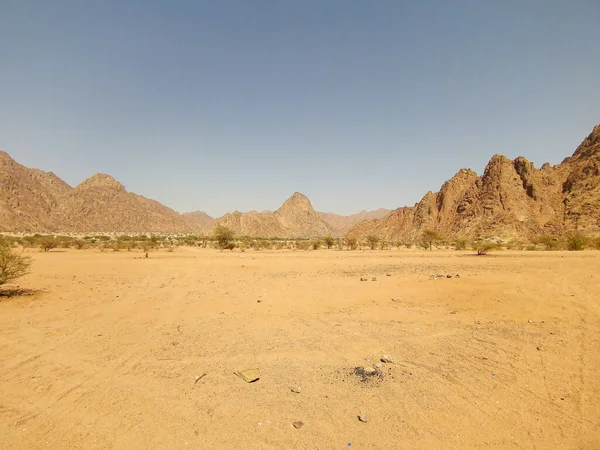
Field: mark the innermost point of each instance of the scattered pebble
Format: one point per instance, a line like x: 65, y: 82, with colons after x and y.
x: 396, y: 299
x: 296, y: 389
x: 259, y: 301
x: 457, y: 276
x: 387, y: 359
x: 363, y: 417
x: 374, y: 279
x: 452, y: 312
x: 388, y: 274
x: 363, y: 279
x: 298, y: 425
x: 249, y: 375
x: 448, y: 276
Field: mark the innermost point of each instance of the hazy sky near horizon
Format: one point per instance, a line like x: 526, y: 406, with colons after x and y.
x: 231, y: 105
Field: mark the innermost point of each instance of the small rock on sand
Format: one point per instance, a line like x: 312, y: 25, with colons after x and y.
x: 296, y: 389
x: 387, y: 359
x: 298, y: 424
x: 363, y: 279
x: 363, y: 417
x: 374, y: 279
x: 249, y: 375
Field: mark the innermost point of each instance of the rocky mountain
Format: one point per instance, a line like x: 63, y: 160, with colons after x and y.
x: 296, y: 218
x: 198, y: 221
x: 35, y: 201
x: 102, y: 204
x: 342, y: 224
x: 512, y: 199
x: 27, y: 196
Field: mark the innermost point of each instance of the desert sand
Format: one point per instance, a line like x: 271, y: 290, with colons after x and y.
x: 113, y: 351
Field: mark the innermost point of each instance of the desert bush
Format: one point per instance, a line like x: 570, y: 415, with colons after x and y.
x: 372, y: 241
x: 79, y: 244
x: 12, y: 265
x: 408, y: 244
x: 431, y: 236
x: 577, y: 242
x: 223, y: 236
x: 483, y: 248
x: 328, y: 241
x: 460, y: 244
x: 316, y: 244
x: 351, y: 243
x: 302, y: 245
x: 596, y: 243
x: 48, y: 243
x: 531, y: 247
x: 549, y: 242
x: 515, y: 245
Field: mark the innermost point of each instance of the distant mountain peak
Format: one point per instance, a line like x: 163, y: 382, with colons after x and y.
x: 101, y: 180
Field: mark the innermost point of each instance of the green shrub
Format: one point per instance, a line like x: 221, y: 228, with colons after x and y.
x: 12, y: 265
x: 372, y: 241
x: 328, y: 241
x: 460, y: 244
x: 577, y: 242
x: 223, y: 236
x: 431, y: 236
x: 351, y: 243
x: 549, y: 242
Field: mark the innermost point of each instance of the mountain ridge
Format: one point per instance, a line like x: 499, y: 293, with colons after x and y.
x: 511, y: 199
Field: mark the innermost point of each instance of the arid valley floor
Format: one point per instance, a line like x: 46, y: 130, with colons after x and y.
x: 111, y: 350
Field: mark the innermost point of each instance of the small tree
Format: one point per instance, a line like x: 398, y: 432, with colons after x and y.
x: 431, y: 236
x: 373, y: 241
x: 12, y: 265
x: 328, y: 241
x: 577, y: 242
x: 48, y: 244
x: 351, y: 243
x: 224, y: 237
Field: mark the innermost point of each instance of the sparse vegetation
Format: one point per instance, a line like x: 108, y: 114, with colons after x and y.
x: 351, y: 243
x: 224, y: 237
x: 12, y: 265
x: 460, y: 244
x: 549, y: 242
x: 328, y: 241
x: 577, y: 242
x: 431, y: 236
x: 48, y: 243
x: 483, y: 248
x: 373, y: 241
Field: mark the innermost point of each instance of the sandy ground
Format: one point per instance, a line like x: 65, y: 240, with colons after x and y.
x: 107, y: 354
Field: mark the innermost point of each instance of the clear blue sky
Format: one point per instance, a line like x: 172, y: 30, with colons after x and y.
x: 223, y: 105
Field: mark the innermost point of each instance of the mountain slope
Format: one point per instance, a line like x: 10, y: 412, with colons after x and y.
x: 296, y: 218
x: 102, y: 204
x: 198, y: 221
x: 342, y: 224
x: 27, y: 196
x: 510, y: 199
